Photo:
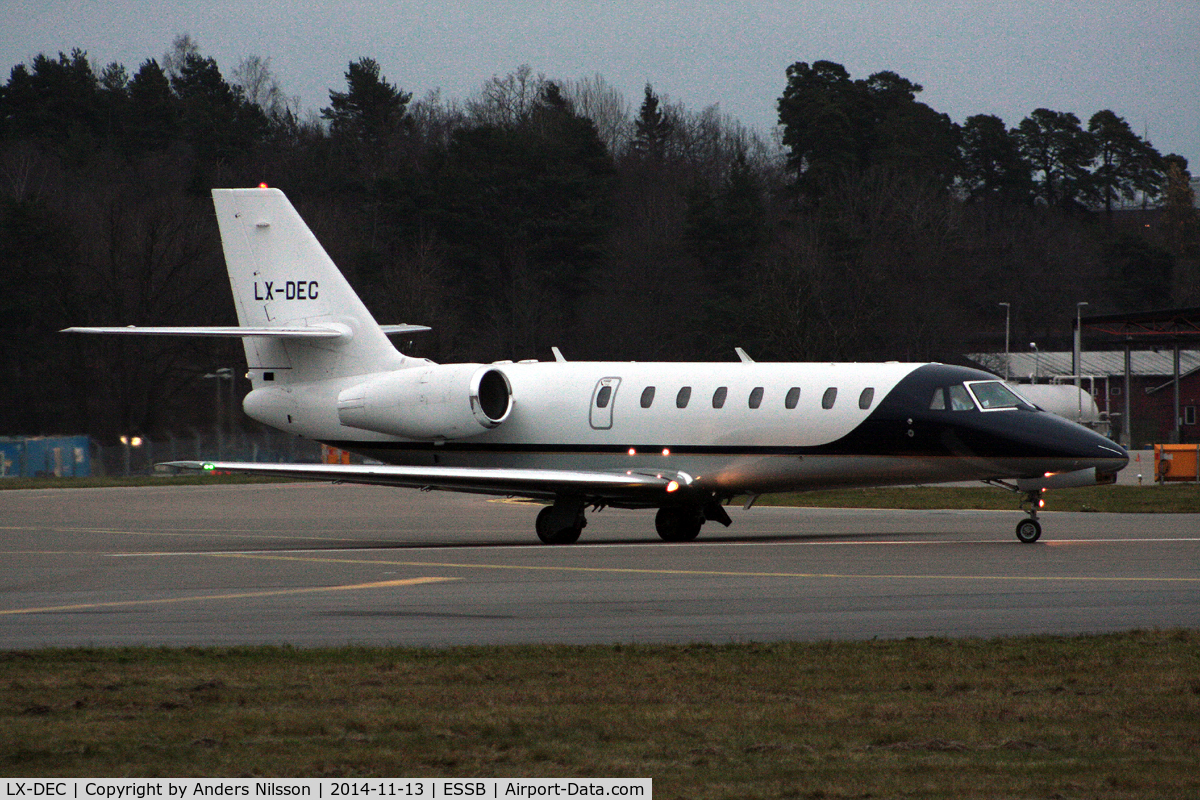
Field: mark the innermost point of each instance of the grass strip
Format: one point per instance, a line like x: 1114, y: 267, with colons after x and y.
x: 1113, y: 716
x: 107, y: 482
x: 1171, y: 498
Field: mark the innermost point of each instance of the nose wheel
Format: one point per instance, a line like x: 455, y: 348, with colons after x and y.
x: 1030, y: 530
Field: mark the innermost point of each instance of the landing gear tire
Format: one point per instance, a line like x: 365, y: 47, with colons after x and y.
x: 1029, y: 531
x: 676, y: 524
x: 551, y: 530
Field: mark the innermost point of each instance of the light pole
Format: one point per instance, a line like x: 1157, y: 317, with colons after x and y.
x: 127, y: 442
x: 1077, y: 366
x: 222, y: 374
x: 1037, y: 361
x: 1078, y: 354
x: 1007, y: 318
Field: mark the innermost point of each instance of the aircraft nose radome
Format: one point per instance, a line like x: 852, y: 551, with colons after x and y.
x: 1091, y: 449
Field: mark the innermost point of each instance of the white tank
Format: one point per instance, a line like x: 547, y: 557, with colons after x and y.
x: 1066, y: 400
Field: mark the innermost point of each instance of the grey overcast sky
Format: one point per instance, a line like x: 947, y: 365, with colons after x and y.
x: 1140, y: 58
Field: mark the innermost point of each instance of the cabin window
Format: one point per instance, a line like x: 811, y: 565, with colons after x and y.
x: 681, y: 399
x: 959, y: 399
x: 793, y: 397
x: 603, y: 396
x: 829, y: 398
x: 719, y: 397
x: 954, y: 397
x: 866, y: 398
x: 647, y: 396
x: 756, y: 397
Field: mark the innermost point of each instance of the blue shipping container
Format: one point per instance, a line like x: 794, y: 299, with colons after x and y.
x: 45, y: 456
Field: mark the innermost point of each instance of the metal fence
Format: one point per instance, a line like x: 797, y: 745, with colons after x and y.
x: 137, y: 455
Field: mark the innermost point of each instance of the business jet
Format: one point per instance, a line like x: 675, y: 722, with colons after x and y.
x: 682, y: 438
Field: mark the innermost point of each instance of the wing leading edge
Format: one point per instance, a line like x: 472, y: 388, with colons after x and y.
x: 615, y: 488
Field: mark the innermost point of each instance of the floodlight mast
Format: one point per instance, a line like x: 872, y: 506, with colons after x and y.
x: 1077, y: 355
x: 1007, y: 319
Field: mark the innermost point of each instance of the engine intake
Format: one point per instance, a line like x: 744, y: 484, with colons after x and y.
x: 450, y: 401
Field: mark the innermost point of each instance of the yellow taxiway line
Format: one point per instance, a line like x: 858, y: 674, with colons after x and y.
x: 232, y: 596
x: 708, y: 573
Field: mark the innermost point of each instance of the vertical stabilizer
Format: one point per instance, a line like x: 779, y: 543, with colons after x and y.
x: 282, y: 277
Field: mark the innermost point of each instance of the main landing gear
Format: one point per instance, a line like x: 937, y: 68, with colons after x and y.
x: 563, y: 522
x: 679, y: 523
x: 1030, y: 530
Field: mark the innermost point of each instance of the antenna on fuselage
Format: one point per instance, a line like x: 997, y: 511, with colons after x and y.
x: 743, y: 356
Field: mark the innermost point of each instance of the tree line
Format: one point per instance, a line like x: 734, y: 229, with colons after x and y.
x: 542, y: 212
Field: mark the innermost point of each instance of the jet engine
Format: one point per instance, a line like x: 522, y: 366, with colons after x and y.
x: 449, y: 401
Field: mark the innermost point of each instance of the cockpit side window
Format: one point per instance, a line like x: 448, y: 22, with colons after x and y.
x: 939, y: 400
x: 960, y: 400
x: 994, y: 395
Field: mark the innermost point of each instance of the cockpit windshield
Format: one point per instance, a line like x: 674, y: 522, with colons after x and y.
x: 994, y: 395
x: 984, y: 395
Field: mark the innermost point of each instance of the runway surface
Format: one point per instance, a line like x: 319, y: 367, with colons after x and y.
x: 315, y: 564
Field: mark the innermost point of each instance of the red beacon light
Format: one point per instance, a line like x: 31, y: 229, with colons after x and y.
x: 263, y: 185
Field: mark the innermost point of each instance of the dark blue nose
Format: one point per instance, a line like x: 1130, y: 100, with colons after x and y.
x: 1086, y: 446
x: 1041, y: 434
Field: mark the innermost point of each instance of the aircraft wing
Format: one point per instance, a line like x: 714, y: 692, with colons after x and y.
x: 621, y: 488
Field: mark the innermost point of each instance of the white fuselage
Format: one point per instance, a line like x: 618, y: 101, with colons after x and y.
x: 767, y: 434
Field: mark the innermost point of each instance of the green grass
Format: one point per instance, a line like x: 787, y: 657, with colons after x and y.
x: 107, y: 482
x: 1114, y: 716
x: 1171, y: 498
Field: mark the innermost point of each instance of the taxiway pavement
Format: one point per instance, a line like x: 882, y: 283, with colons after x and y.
x: 323, y: 565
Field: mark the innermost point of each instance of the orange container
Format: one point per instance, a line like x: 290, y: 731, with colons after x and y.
x: 1177, y: 462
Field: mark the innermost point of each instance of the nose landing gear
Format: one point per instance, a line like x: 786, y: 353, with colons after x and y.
x: 1030, y: 530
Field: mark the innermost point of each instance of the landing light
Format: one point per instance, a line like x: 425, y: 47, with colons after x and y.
x: 632, y: 452
x: 673, y: 486
x: 666, y: 451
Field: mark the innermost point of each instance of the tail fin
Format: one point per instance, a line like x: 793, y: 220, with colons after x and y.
x: 282, y: 278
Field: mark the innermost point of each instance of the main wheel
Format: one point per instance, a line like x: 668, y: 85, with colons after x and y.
x: 1029, y: 531
x: 550, y: 530
x: 675, y: 524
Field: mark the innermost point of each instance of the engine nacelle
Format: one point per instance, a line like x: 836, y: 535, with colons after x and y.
x: 449, y: 401
x: 1067, y: 480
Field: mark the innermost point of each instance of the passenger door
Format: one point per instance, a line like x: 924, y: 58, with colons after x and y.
x: 603, y: 397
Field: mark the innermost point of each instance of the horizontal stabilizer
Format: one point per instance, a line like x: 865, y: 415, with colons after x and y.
x: 333, y: 331
x: 329, y: 331
x: 535, y: 483
x: 394, y: 329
